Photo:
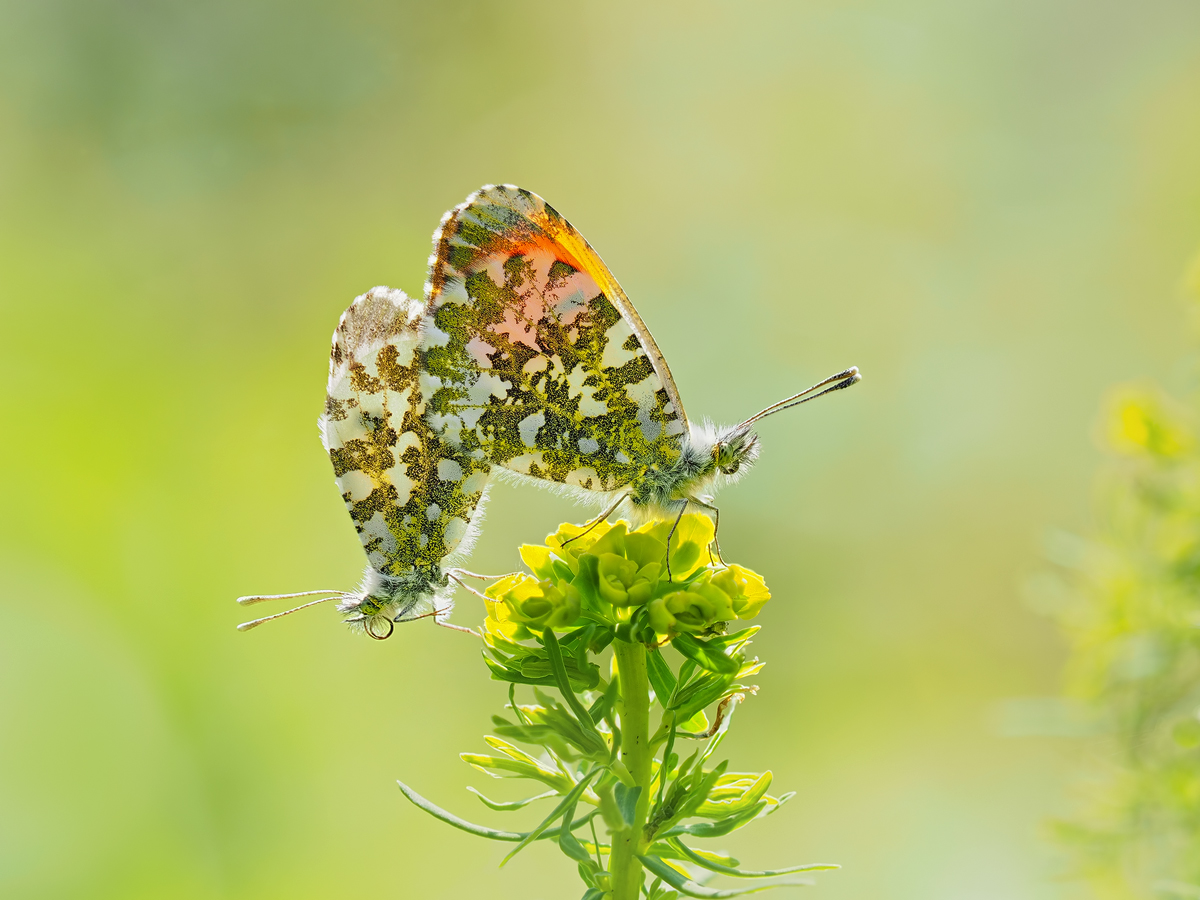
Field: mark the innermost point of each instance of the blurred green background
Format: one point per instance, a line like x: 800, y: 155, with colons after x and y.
x: 986, y: 206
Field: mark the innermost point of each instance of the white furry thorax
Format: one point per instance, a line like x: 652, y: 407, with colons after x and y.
x: 696, y: 474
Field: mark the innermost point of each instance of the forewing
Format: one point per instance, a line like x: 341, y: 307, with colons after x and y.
x: 411, y: 495
x: 534, y: 355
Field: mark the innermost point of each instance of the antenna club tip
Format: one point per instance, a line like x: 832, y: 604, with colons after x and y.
x: 246, y: 626
x: 245, y: 601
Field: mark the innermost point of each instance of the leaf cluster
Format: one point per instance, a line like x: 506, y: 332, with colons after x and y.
x: 572, y: 727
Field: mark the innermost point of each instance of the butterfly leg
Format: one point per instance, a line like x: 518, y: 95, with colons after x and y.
x: 671, y: 534
x: 445, y: 624
x: 465, y: 573
x: 437, y: 615
x: 600, y: 518
x: 716, y: 529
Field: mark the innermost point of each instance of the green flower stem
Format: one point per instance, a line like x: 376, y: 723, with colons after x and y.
x: 637, y: 755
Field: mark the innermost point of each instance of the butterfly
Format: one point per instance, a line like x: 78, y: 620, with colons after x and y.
x: 415, y: 499
x: 535, y: 357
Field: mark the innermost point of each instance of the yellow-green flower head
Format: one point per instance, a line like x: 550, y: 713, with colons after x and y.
x: 616, y: 574
x: 581, y: 541
x: 694, y: 610
x: 721, y: 596
x: 609, y: 572
x: 746, y: 590
x: 524, y: 605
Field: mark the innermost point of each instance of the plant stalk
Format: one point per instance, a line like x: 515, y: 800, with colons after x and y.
x: 637, y: 755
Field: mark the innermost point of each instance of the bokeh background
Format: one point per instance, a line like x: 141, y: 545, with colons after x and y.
x: 986, y: 206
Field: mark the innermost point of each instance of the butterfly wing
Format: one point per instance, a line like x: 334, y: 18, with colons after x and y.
x: 411, y: 495
x: 533, y: 353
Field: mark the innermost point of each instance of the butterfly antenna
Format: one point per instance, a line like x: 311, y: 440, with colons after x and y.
x: 245, y: 601
x: 838, y: 382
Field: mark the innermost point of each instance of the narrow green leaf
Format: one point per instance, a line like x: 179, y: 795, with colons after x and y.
x: 753, y: 667
x: 568, y: 802
x: 587, y: 583
x: 715, y: 741
x: 509, y: 750
x: 667, y: 850
x: 684, y: 794
x: 605, y: 702
x: 559, y: 718
x: 568, y: 843
x: 662, y: 679
x: 549, y: 726
x: 512, y: 804
x: 562, y: 571
x: 512, y: 704
x: 720, y: 827
x: 711, y: 658
x: 519, y: 769
x: 704, y: 860
x: 479, y: 830
x: 690, y: 889
x: 702, y: 784
x: 664, y: 771
x: 590, y: 845
x: 732, y: 794
x: 686, y: 671
x: 601, y: 639
x: 697, y: 724
x: 627, y: 798
x: 704, y: 691
x: 735, y: 640
x: 587, y: 873
x: 592, y: 894
x: 535, y: 667
x: 450, y: 819
x: 564, y: 686
x: 501, y: 672
x: 538, y: 735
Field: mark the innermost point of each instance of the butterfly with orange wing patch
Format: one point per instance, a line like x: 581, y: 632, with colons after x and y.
x: 534, y: 355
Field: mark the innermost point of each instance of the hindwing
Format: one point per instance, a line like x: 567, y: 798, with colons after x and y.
x: 533, y: 354
x: 412, y: 496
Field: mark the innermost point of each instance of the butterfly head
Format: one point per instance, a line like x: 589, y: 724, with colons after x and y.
x: 384, y: 599
x: 734, y: 448
x: 380, y: 602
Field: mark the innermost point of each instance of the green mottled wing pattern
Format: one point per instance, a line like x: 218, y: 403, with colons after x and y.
x: 412, y: 496
x: 534, y: 356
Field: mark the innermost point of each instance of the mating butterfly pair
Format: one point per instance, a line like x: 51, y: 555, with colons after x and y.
x: 525, y: 360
